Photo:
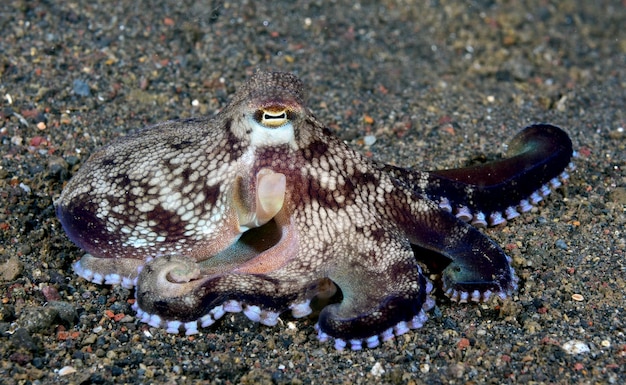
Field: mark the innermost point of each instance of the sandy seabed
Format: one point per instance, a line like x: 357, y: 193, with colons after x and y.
x: 437, y: 84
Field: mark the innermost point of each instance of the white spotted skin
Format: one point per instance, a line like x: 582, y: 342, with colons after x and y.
x: 260, y: 209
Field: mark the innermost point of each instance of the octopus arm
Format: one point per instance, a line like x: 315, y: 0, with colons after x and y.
x: 250, y: 272
x: 379, y: 291
x: 536, y: 157
x: 478, y: 267
x: 159, y: 294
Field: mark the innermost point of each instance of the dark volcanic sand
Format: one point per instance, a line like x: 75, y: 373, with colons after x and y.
x: 437, y: 84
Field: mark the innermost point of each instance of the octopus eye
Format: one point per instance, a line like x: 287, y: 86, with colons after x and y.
x: 272, y: 125
x: 272, y: 117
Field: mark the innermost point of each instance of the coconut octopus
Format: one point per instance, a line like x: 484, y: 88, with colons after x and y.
x: 260, y: 209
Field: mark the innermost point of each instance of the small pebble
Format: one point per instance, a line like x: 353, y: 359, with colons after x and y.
x: 368, y: 140
x: 578, y: 297
x: 65, y: 311
x: 37, y: 319
x: 22, y: 339
x: 81, y: 88
x: 25, y: 187
x: 66, y: 370
x: 575, y: 347
x: 50, y: 293
x: 57, y: 166
x: 11, y: 269
x: 38, y: 362
x: 561, y: 244
x: 456, y: 370
x: 377, y: 370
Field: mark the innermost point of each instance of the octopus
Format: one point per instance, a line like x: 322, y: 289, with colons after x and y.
x: 261, y: 209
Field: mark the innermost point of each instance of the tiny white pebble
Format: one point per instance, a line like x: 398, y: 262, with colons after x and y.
x: 25, y: 187
x: 575, y: 347
x: 377, y: 369
x: 369, y: 140
x: 66, y: 370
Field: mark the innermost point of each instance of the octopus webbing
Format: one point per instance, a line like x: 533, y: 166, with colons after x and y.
x: 260, y: 209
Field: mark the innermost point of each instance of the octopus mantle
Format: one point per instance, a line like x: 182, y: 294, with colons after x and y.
x: 261, y: 208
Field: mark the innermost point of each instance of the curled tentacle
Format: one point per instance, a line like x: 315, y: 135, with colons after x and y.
x: 478, y: 266
x: 396, y: 296
x: 166, y: 299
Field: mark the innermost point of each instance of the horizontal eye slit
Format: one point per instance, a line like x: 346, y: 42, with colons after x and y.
x: 272, y: 118
x: 268, y: 116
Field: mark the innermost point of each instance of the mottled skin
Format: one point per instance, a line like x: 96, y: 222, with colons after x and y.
x: 261, y: 208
